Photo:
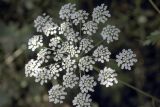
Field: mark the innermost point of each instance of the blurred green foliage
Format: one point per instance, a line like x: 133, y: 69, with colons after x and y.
x: 153, y: 38
x: 140, y: 30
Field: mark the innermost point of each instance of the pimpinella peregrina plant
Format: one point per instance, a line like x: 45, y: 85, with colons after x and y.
x: 70, y: 50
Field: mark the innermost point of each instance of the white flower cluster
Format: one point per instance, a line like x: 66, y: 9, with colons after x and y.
x: 72, y: 53
x: 87, y: 83
x: 32, y: 67
x: 44, y: 55
x: 79, y: 17
x: 70, y: 80
x: 102, y: 54
x: 110, y: 33
x: 82, y: 100
x: 35, y: 42
x: 89, y: 27
x: 54, y: 42
x: 64, y: 28
x: 100, y: 14
x: 57, y: 94
x: 107, y: 77
x: 69, y: 64
x: 45, y: 24
x: 126, y: 59
x: 54, y: 70
x: 43, y: 75
x: 86, y: 45
x: 66, y: 11
x: 86, y: 63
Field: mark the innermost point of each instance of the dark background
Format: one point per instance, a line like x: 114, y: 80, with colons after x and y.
x: 140, y: 30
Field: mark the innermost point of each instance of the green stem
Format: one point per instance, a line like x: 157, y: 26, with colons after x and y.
x: 140, y: 91
x: 99, y: 43
x: 154, y: 5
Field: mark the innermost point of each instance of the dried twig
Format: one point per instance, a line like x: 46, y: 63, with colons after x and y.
x: 154, y: 5
x: 17, y: 53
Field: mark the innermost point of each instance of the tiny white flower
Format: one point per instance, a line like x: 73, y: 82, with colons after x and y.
x: 66, y: 11
x: 71, y: 35
x: 50, y: 28
x: 54, y: 42
x: 59, y: 55
x: 70, y: 80
x: 69, y: 64
x: 110, y: 33
x: 100, y: 14
x: 126, y: 59
x: 43, y: 75
x: 64, y: 28
x: 85, y: 45
x: 82, y: 100
x: 79, y: 17
x: 107, y: 77
x: 35, y: 42
x: 70, y: 49
x: 87, y: 83
x: 32, y: 67
x: 55, y: 69
x: 40, y: 21
x: 57, y: 94
x: 102, y: 54
x: 73, y: 51
x: 44, y: 55
x: 45, y: 24
x: 89, y: 27
x: 86, y: 63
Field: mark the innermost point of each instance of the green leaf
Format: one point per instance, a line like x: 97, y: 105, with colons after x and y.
x: 154, y: 38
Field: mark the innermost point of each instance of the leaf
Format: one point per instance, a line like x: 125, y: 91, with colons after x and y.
x: 153, y: 39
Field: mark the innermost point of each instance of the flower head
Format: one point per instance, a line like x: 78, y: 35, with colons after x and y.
x: 66, y: 11
x: 107, y: 77
x: 70, y: 80
x: 54, y: 70
x: 70, y: 51
x: 64, y: 28
x: 110, y: 33
x: 86, y: 45
x: 87, y: 83
x: 35, y: 42
x: 126, y: 59
x: 102, y: 54
x: 82, y: 100
x: 71, y: 35
x: 100, y: 14
x: 45, y: 24
x: 59, y: 55
x: 79, y: 17
x: 32, y: 67
x: 68, y: 64
x: 89, y: 27
x: 86, y: 63
x: 55, y: 42
x: 43, y: 75
x: 44, y: 55
x: 57, y: 94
